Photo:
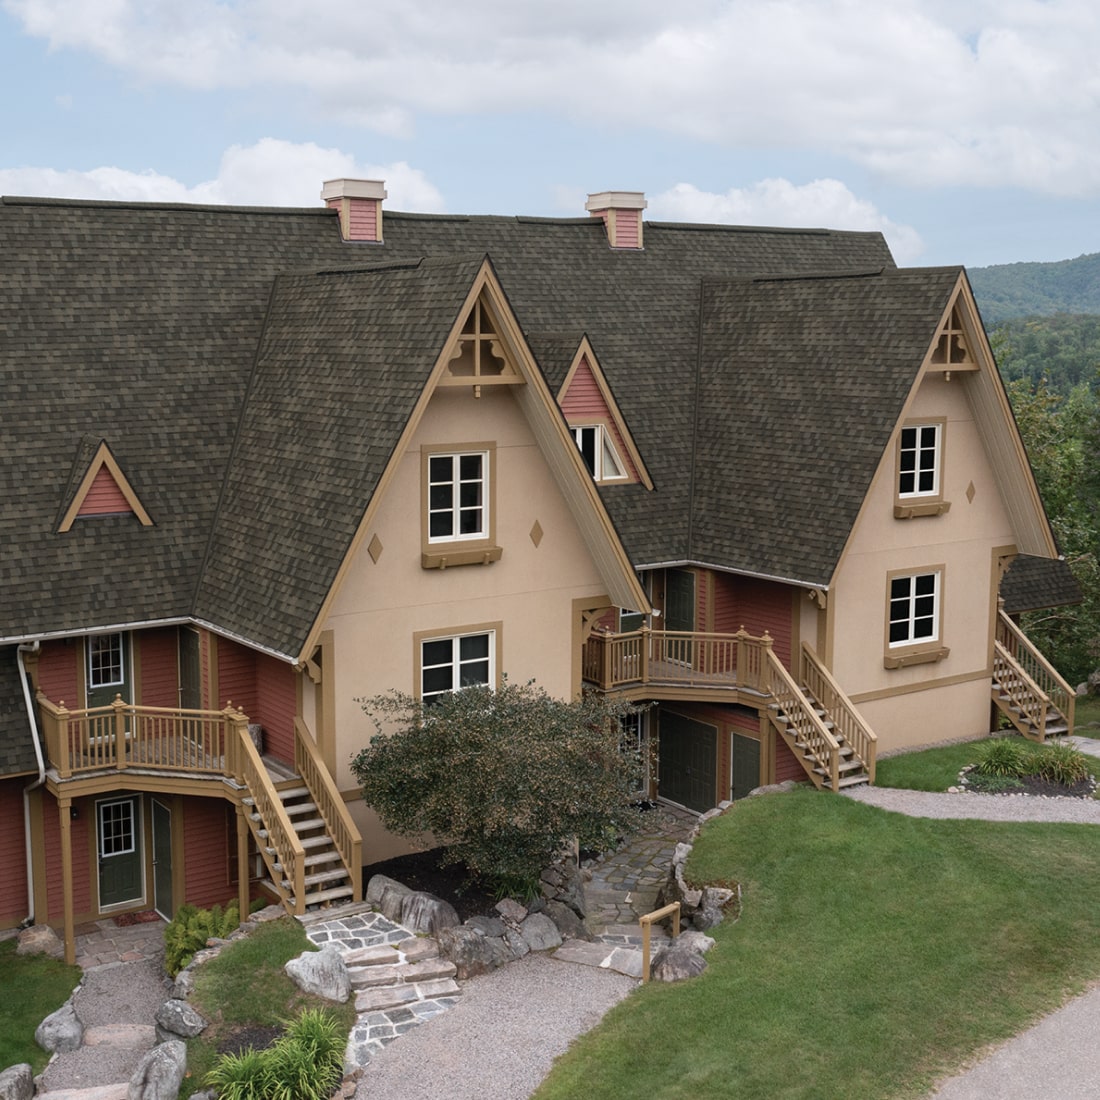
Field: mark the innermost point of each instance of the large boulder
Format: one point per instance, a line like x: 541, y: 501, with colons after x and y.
x: 160, y: 1073
x: 471, y: 952
x: 323, y: 973
x: 387, y: 895
x: 17, y: 1083
x: 40, y: 939
x: 677, y: 962
x: 61, y: 1031
x: 540, y: 933
x: 568, y: 923
x: 486, y: 926
x: 427, y: 914
x: 564, y: 882
x: 176, y: 1019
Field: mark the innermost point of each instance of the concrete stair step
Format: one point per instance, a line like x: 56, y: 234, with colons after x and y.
x: 323, y: 897
x: 300, y: 808
x: 326, y: 876
x: 367, y: 977
x: 309, y: 823
x: 293, y: 792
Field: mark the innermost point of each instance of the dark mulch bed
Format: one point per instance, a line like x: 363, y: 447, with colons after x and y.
x: 1034, y: 785
x: 423, y: 871
x: 241, y: 1038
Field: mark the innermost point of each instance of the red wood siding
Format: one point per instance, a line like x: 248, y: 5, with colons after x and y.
x: 276, y: 703
x: 786, y: 763
x: 58, y: 667
x: 206, y: 832
x: 583, y: 403
x: 206, y: 642
x: 104, y: 497
x: 13, y: 866
x: 756, y: 605
x: 159, y: 667
x: 81, y: 839
x: 236, y: 677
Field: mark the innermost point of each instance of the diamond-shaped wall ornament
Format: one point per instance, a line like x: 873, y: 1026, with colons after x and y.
x: 536, y: 533
x: 375, y: 549
x: 971, y: 492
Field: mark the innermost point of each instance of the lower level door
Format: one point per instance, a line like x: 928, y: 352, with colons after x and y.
x: 687, y: 768
x: 119, y: 848
x: 162, y: 860
x: 745, y: 766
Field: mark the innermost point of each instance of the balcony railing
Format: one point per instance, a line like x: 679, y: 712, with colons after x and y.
x: 676, y: 658
x: 122, y: 735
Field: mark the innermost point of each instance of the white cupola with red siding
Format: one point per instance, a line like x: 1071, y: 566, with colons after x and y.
x: 622, y: 215
x: 360, y: 205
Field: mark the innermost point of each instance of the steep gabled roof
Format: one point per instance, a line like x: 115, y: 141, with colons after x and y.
x: 1032, y: 583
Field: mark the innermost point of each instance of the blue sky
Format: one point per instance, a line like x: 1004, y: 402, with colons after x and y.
x: 967, y: 131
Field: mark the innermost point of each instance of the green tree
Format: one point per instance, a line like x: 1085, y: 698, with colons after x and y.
x: 501, y: 779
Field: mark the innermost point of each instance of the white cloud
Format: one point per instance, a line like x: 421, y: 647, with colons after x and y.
x: 269, y: 173
x: 933, y: 92
x: 823, y: 203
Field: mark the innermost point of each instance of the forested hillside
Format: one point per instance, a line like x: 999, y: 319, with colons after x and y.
x: 1036, y: 289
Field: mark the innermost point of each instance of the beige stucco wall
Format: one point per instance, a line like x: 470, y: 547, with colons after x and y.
x: 953, y: 699
x: 529, y: 591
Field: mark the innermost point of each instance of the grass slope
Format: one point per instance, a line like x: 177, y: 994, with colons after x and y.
x: 31, y: 987
x: 875, y: 953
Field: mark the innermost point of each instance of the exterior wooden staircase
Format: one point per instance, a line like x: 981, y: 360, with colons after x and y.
x: 835, y: 747
x: 1027, y: 688
x: 303, y: 831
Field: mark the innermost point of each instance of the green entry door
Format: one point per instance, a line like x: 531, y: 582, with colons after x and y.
x: 687, y: 766
x: 162, y: 860
x: 680, y: 600
x: 119, y: 848
x: 108, y: 668
x: 190, y: 669
x: 746, y: 766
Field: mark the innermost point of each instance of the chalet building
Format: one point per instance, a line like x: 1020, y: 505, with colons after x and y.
x: 261, y: 464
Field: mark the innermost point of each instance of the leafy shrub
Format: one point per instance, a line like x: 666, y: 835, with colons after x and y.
x: 501, y: 779
x: 1060, y: 762
x: 191, y: 928
x: 1003, y: 756
x: 305, y: 1063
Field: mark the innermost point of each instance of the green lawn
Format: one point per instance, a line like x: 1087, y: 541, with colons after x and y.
x: 927, y: 770
x: 246, y: 986
x: 1087, y: 713
x: 875, y: 953
x: 31, y: 987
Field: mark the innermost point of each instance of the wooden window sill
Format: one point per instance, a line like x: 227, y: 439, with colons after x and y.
x: 926, y: 508
x: 922, y: 657
x: 446, y: 559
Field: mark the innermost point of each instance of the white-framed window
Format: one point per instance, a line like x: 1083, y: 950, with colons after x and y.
x: 458, y: 496
x: 598, y: 451
x: 914, y: 609
x: 106, y: 660
x: 919, y: 460
x: 117, y: 835
x: 456, y: 662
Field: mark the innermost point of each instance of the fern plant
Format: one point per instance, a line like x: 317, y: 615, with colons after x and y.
x: 191, y: 928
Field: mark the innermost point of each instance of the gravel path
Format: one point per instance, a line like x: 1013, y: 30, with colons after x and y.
x: 502, y: 1037
x: 985, y: 807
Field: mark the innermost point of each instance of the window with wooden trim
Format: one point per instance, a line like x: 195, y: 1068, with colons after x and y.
x: 455, y: 662
x: 458, y: 494
x: 914, y: 604
x: 106, y: 660
x: 920, y: 471
x: 598, y: 451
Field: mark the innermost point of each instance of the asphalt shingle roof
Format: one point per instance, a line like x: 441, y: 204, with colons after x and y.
x: 1031, y: 584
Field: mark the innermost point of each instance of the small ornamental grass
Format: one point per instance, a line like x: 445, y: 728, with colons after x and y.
x: 304, y: 1063
x: 1004, y: 756
x: 1009, y: 758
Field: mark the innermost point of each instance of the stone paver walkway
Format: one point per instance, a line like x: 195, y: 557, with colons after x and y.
x: 360, y: 933
x: 102, y: 942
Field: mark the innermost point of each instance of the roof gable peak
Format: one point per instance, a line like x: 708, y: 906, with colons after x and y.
x: 104, y: 490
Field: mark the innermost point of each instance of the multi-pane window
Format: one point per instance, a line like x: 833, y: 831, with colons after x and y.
x: 116, y: 828
x: 914, y: 608
x: 599, y: 453
x: 457, y: 496
x: 106, y: 660
x: 450, y: 664
x: 919, y: 461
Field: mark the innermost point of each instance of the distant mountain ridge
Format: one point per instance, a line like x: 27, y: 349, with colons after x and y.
x: 1005, y: 291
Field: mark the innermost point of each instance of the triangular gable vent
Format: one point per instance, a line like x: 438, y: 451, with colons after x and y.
x: 479, y: 356
x: 104, y: 491
x: 952, y: 347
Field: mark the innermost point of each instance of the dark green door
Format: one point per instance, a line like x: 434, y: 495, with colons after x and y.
x: 162, y: 860
x: 118, y: 844
x: 190, y: 669
x: 108, y: 668
x: 687, y: 766
x: 746, y: 766
x: 680, y: 600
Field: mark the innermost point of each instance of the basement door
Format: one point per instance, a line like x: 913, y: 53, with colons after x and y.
x: 744, y: 765
x: 687, y: 768
x: 119, y: 851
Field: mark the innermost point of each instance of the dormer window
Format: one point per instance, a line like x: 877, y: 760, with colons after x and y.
x: 598, y: 452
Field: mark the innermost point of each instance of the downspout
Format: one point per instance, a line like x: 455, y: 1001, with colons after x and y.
x: 32, y: 718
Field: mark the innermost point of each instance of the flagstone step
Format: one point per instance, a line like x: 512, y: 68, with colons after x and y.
x: 363, y: 977
x: 391, y: 996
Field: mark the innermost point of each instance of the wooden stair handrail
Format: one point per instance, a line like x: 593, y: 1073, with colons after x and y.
x: 857, y: 732
x: 807, y: 716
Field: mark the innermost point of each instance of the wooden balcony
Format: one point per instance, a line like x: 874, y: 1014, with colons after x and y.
x: 122, y: 735
x: 677, y: 659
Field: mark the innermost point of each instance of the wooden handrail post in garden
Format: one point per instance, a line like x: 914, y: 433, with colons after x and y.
x: 647, y: 923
